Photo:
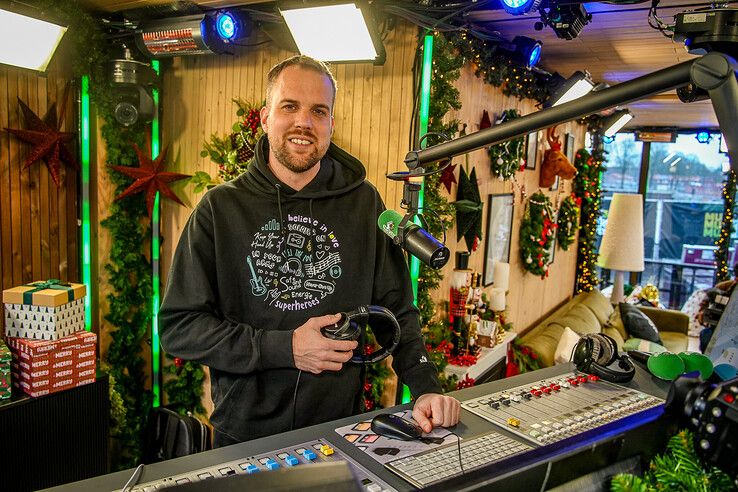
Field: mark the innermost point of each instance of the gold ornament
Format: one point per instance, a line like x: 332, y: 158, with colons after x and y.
x: 650, y: 293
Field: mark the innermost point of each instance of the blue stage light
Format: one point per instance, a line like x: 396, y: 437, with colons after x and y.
x: 517, y: 7
x: 704, y: 137
x: 225, y: 24
x: 535, y: 55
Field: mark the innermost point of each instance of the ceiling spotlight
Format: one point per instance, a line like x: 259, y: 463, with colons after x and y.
x: 200, y: 34
x: 703, y: 137
x: 519, y: 7
x: 335, y: 33
x: 27, y: 42
x: 613, y: 123
x: 528, y: 50
x: 565, y: 90
x: 567, y: 20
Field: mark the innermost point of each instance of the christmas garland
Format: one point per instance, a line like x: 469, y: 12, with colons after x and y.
x: 232, y: 152
x: 726, y: 229
x: 521, y: 359
x: 587, y: 189
x: 679, y: 468
x: 537, y: 231
x: 507, y: 158
x: 567, y: 221
x: 498, y: 70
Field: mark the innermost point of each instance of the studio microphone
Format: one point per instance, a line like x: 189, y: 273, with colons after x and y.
x: 414, y: 239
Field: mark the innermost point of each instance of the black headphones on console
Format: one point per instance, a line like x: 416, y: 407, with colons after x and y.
x: 351, y: 325
x: 595, y: 352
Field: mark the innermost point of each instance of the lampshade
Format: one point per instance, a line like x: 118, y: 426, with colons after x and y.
x: 27, y: 42
x: 622, y: 243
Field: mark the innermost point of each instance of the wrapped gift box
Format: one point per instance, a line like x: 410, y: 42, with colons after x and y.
x: 40, y: 367
x: 5, y: 359
x: 44, y: 310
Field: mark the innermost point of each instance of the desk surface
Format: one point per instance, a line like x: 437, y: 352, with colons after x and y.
x: 469, y: 426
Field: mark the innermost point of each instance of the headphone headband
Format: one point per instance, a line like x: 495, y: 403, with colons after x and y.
x: 351, y: 326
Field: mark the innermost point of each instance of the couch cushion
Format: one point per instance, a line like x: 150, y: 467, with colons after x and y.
x: 616, y: 323
x: 637, y: 324
x: 615, y: 335
x: 598, y: 304
x: 544, y: 343
x: 580, y: 318
x: 674, y: 342
x: 566, y: 346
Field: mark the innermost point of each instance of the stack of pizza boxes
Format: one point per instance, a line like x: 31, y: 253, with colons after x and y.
x: 45, y: 331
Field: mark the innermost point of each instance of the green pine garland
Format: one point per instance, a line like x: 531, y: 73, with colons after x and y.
x: 567, y: 222
x: 679, y: 468
x: 184, y: 386
x: 498, y: 70
x: 537, y: 232
x: 508, y: 157
x: 726, y: 229
x: 587, y: 189
x: 524, y: 357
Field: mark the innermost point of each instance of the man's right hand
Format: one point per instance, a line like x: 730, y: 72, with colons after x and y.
x: 315, y: 353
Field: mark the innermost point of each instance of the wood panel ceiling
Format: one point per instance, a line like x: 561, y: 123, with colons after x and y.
x: 617, y: 45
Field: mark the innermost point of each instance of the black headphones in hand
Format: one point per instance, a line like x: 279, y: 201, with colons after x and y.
x: 595, y: 352
x: 351, y: 325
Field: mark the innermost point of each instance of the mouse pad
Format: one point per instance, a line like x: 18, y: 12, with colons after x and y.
x: 383, y: 449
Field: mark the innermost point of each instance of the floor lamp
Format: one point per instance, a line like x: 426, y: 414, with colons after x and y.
x: 622, y: 244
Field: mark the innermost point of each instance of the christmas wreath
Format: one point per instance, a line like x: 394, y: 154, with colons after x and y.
x: 507, y: 157
x: 567, y: 221
x: 537, y: 232
x: 232, y: 152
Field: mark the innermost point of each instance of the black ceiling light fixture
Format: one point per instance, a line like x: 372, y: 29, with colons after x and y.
x: 566, y: 20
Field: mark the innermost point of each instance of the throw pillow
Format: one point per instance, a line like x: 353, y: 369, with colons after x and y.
x: 566, y: 345
x: 643, y: 346
x: 639, y: 325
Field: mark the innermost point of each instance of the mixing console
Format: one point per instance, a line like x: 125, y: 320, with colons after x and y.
x: 550, y: 410
x: 317, y: 451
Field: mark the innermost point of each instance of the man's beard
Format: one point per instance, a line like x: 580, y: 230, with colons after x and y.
x: 296, y: 164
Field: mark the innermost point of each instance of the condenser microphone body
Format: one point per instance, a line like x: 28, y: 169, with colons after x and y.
x: 414, y: 239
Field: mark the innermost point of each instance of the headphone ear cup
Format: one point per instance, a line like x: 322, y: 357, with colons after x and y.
x: 582, y: 354
x: 608, y: 349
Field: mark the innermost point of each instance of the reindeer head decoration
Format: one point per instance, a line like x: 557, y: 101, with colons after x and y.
x: 555, y: 162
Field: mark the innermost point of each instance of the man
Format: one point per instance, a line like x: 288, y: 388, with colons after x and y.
x: 265, y: 257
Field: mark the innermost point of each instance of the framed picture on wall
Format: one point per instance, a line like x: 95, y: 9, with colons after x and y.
x: 569, y: 147
x: 499, y: 230
x: 531, y: 150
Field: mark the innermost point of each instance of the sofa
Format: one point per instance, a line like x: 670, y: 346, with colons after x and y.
x: 591, y: 312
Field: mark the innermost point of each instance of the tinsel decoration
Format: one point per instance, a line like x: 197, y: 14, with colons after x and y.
x: 678, y: 468
x: 587, y: 188
x: 469, y: 208
x: 567, y: 221
x: 507, y: 158
x: 537, y: 232
x: 726, y: 229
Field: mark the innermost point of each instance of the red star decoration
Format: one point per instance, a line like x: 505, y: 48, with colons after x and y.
x: 48, y: 142
x: 150, y: 177
x: 447, y: 177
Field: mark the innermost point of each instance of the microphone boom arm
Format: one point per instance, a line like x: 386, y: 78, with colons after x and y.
x: 714, y: 72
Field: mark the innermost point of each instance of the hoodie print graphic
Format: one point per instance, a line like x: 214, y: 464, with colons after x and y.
x: 295, y: 269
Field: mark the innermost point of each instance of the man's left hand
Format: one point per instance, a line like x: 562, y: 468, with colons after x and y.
x: 433, y: 410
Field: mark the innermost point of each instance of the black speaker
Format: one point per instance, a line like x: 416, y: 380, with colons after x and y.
x: 351, y: 326
x: 596, y: 353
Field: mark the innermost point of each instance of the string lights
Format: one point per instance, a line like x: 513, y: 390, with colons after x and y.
x: 723, y: 241
x: 587, y: 189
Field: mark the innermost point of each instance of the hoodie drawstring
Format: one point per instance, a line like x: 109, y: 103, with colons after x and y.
x: 281, y: 217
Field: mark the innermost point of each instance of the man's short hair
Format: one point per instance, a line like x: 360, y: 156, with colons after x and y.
x: 301, y: 61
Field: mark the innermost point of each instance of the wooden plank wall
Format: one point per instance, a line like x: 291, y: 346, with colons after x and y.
x: 38, y: 221
x: 529, y: 297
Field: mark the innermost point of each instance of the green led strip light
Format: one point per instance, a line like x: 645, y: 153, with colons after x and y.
x: 155, y: 245
x: 84, y: 135
x: 425, y: 83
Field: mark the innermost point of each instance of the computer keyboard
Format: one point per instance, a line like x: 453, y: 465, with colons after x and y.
x: 440, y: 463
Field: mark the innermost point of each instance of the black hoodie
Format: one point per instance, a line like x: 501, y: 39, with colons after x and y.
x: 255, y: 261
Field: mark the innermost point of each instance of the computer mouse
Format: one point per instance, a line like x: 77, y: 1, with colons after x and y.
x: 395, y: 427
